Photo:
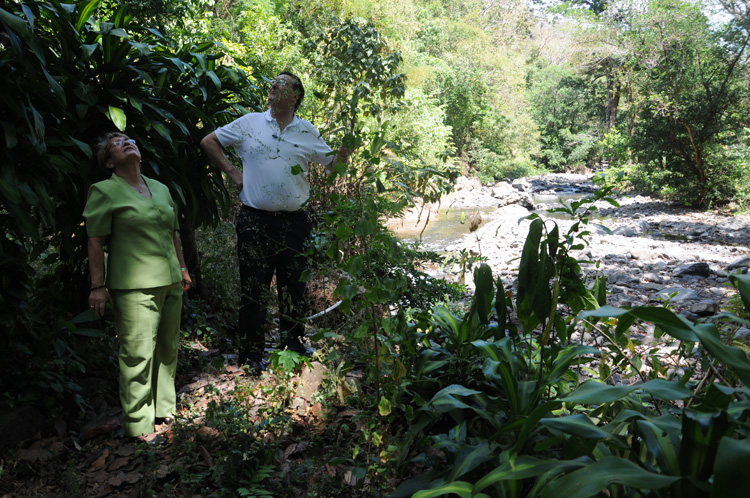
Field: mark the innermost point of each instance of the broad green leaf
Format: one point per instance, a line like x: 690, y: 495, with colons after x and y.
x: 742, y: 283
x: 524, y: 467
x: 732, y: 356
x: 530, y: 423
x: 701, y: 435
x: 462, y: 489
x: 730, y: 467
x: 578, y: 425
x: 595, y: 393
x: 501, y: 308
x: 565, y: 357
x: 344, y: 232
x: 680, y: 328
x: 162, y: 130
x: 484, y: 292
x: 595, y: 478
x: 470, y: 458
x: 661, y: 445
x: 93, y: 333
x: 55, y: 88
x: 85, y: 12
x: 215, y: 79
x: 527, y: 273
x: 494, y: 350
x: 384, y: 407
x: 664, y: 389
x: 83, y: 146
x: 355, y: 265
x: 17, y: 24
x: 118, y: 118
x: 379, y: 186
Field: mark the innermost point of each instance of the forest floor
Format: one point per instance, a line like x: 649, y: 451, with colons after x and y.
x: 212, y: 446
x: 97, y: 460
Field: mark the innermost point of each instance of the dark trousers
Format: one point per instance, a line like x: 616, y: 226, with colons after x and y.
x: 269, y: 243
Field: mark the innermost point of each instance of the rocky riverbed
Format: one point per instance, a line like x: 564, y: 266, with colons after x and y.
x: 648, y: 249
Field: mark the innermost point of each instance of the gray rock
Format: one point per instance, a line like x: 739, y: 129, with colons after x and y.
x: 742, y: 333
x: 620, y: 278
x: 640, y: 254
x: 681, y: 294
x: 652, y: 286
x: 659, y: 266
x: 697, y: 269
x: 743, y: 262
x: 526, y: 202
x: 705, y: 308
x: 311, y: 380
x: 652, y: 277
x: 627, y: 232
x: 521, y: 185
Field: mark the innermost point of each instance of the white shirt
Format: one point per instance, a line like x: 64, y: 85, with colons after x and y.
x: 274, y: 162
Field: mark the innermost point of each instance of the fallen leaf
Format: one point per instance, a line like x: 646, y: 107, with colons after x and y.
x: 118, y: 463
x: 133, y: 477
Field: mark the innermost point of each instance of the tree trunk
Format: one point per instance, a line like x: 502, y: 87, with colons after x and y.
x: 613, y: 101
x: 190, y: 250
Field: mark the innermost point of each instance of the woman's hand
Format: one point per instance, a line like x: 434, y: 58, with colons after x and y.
x: 187, y: 282
x: 98, y: 300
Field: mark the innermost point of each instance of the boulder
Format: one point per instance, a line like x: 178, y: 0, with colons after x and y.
x: 690, y: 269
x: 743, y: 262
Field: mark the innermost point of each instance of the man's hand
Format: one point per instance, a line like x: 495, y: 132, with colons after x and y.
x: 344, y: 153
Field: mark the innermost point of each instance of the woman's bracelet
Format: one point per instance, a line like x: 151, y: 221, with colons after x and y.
x: 97, y: 287
x: 185, y: 269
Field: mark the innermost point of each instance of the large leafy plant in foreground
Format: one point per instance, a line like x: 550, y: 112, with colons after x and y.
x: 527, y: 419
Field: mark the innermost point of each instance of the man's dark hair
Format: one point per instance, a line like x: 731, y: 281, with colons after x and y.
x: 297, y: 86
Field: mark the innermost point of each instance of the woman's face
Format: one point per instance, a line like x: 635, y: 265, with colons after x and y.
x: 121, y: 149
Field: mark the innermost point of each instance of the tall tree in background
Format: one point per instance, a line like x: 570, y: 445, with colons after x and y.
x: 693, y: 74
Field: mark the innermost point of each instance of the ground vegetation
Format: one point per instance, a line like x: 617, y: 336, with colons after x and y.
x: 427, y: 391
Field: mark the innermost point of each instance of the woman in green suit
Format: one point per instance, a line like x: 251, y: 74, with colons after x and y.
x: 144, y: 279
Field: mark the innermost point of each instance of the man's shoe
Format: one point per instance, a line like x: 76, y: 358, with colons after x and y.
x: 254, y: 362
x: 298, y: 347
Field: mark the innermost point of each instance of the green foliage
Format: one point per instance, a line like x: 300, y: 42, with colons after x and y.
x: 523, y: 421
x: 692, y: 75
x: 72, y: 77
x: 614, y: 148
x: 567, y: 107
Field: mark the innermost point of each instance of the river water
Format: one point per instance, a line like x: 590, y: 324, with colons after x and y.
x: 452, y: 224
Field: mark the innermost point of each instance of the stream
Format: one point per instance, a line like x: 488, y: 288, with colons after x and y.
x: 647, y: 248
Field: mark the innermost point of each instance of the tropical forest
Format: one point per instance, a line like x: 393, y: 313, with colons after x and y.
x: 487, y: 365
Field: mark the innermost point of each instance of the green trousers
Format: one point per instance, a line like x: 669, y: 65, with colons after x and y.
x: 147, y: 322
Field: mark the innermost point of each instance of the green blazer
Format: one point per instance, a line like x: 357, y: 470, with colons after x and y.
x: 141, y: 249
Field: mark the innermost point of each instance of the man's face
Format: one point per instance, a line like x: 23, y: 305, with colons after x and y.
x: 282, y: 91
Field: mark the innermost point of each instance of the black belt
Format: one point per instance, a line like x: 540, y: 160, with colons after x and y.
x: 270, y: 213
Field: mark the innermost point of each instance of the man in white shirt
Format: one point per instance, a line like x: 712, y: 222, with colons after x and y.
x: 273, y: 230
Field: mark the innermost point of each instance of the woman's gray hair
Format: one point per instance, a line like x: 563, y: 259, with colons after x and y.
x: 102, y: 147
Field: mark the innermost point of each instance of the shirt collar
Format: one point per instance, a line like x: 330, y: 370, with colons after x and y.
x: 269, y: 118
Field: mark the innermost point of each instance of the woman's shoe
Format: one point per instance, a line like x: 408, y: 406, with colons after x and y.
x: 164, y: 421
